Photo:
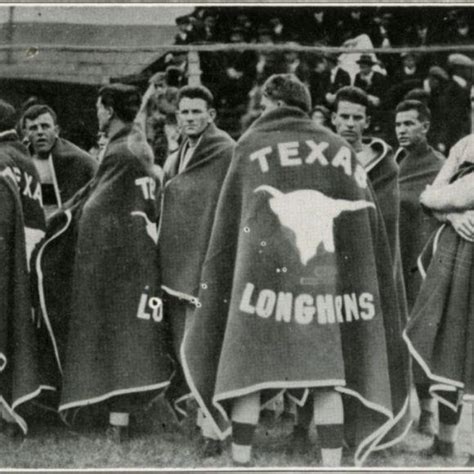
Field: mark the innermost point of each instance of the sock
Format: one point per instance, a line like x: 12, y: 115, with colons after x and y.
x: 448, y: 416
x: 245, y: 413
x: 447, y: 433
x: 329, y: 419
x: 428, y: 404
x: 119, y: 419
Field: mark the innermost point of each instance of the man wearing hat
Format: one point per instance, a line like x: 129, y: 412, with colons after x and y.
x: 374, y: 84
x: 184, y: 30
x: 370, y: 81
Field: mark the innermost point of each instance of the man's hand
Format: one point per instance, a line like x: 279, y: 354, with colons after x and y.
x: 463, y: 224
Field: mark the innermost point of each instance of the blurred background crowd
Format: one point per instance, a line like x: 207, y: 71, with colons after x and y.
x: 441, y: 79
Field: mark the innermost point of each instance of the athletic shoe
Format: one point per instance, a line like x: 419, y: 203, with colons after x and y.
x: 441, y: 448
x: 211, y: 448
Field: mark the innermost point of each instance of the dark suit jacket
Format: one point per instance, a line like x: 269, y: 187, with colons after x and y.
x: 320, y: 84
x: 377, y: 87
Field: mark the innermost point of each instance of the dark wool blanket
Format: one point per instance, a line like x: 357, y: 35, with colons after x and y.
x: 99, y: 282
x: 21, y: 227
x: 383, y: 175
x: 73, y: 166
x: 297, y: 289
x: 417, y: 170
x: 440, y: 334
x: 188, y: 207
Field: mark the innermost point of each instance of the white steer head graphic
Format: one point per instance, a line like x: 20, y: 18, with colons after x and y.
x: 310, y: 215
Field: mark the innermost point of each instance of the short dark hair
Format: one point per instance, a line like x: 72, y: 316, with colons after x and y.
x: 196, y: 92
x: 324, y: 110
x: 424, y: 113
x: 289, y: 89
x: 33, y: 112
x: 418, y: 94
x: 351, y: 94
x: 124, y: 99
x: 7, y: 116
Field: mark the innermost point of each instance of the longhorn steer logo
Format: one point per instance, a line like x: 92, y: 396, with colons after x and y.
x: 310, y: 215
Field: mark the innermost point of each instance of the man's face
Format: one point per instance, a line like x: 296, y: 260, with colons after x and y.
x: 350, y: 121
x: 365, y: 68
x: 194, y: 116
x: 318, y: 118
x: 409, y: 129
x: 104, y: 114
x: 42, y: 133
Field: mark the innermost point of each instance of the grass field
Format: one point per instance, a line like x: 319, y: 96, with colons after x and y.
x: 162, y: 444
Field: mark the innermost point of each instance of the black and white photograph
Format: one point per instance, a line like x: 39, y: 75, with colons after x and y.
x: 236, y: 236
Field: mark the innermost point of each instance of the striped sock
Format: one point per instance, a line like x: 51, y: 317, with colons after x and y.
x: 329, y: 420
x: 245, y: 413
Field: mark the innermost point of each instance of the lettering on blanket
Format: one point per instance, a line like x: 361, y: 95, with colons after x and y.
x: 16, y: 175
x: 308, y: 153
x: 147, y: 186
x: 305, y: 308
x: 150, y: 307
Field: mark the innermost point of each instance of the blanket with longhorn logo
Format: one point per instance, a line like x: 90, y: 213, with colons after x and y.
x: 99, y: 282
x: 297, y: 289
x: 440, y: 333
x: 22, y: 226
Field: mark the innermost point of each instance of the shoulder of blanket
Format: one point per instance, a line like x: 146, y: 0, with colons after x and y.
x: 64, y: 149
x: 9, y: 187
x: 16, y: 154
x: 131, y: 153
x: 218, y: 137
x: 438, y: 156
x: 463, y: 150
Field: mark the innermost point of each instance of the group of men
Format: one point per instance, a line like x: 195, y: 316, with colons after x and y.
x: 282, y: 262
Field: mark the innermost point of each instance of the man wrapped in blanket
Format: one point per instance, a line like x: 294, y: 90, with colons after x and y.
x: 98, y: 277
x: 440, y: 334
x: 296, y: 293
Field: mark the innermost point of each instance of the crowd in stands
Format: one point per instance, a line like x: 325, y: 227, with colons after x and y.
x: 443, y: 80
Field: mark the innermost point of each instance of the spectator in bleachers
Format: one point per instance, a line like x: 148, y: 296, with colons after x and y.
x: 407, y: 77
x: 436, y: 84
x: 321, y: 115
x: 354, y: 24
x: 374, y: 84
x: 243, y: 21
x: 185, y: 30
x: 279, y: 30
x: 209, y: 30
x: 326, y: 79
x: 455, y: 101
x: 239, y: 73
x: 295, y: 64
x: 462, y: 32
